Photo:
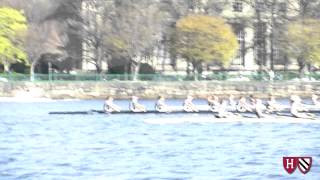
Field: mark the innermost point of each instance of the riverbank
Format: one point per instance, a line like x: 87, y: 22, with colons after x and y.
x: 150, y: 90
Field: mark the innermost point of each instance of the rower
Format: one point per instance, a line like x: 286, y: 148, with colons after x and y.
x: 135, y: 106
x: 161, y: 106
x: 232, y: 102
x: 259, y: 107
x: 296, y: 108
x: 252, y: 100
x: 302, y: 106
x: 188, y: 105
x: 222, y: 110
x: 273, y: 106
x: 243, y: 106
x: 110, y: 107
x: 213, y: 103
x: 315, y: 100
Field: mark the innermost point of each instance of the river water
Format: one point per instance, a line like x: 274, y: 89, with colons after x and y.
x: 35, y: 145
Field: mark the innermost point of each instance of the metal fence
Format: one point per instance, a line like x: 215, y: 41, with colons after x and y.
x: 218, y: 76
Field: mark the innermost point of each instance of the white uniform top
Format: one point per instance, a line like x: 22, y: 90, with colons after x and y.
x: 232, y: 103
x: 259, y: 107
x: 134, y: 104
x: 295, y: 106
x: 188, y: 105
x: 316, y: 102
x: 222, y: 109
x: 243, y: 106
x: 108, y: 104
x: 272, y: 103
x: 160, y: 105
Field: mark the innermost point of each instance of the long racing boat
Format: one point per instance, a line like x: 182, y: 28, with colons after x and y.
x: 286, y: 111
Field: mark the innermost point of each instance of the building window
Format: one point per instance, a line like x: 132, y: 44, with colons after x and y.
x: 239, y: 59
x: 283, y: 8
x: 260, y: 43
x: 279, y: 56
x: 260, y: 5
x: 196, y: 6
x: 237, y: 6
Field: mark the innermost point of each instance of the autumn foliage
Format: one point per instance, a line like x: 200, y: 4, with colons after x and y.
x: 203, y: 38
x: 304, y: 40
x: 13, y: 27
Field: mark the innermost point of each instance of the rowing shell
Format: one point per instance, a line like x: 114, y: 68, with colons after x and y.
x: 157, y: 112
x: 247, y: 117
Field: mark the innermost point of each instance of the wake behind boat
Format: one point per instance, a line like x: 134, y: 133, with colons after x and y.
x: 269, y: 119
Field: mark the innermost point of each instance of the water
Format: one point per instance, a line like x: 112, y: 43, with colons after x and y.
x: 35, y: 145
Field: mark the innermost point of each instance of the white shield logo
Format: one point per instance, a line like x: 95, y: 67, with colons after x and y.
x: 305, y: 164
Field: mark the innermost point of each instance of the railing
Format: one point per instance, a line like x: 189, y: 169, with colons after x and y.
x: 218, y: 76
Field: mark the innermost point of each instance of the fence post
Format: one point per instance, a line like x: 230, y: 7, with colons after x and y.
x: 50, y: 71
x: 9, y: 76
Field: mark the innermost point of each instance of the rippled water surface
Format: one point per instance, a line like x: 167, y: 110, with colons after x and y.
x: 35, y: 145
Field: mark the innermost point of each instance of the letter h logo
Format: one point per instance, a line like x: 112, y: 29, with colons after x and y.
x: 304, y: 164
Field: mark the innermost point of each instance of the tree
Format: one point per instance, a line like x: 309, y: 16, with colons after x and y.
x: 36, y: 11
x: 42, y: 39
x: 12, y: 29
x: 50, y: 31
x: 94, y: 31
x: 46, y: 34
x: 304, y: 42
x: 305, y: 8
x: 203, y: 38
x: 134, y: 27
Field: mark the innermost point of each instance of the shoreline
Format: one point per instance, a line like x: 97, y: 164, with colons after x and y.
x: 151, y: 90
x: 32, y: 99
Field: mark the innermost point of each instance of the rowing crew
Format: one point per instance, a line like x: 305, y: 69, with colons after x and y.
x: 160, y: 105
x: 297, y: 109
x: 222, y: 107
x: 135, y: 106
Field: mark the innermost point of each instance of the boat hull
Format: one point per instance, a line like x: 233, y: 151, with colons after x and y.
x: 156, y: 112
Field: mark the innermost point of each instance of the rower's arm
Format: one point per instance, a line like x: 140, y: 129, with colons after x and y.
x: 195, y: 108
x: 115, y: 107
x: 131, y: 107
x: 157, y: 107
